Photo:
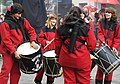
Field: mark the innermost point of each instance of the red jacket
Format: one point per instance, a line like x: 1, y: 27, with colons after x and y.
x: 80, y: 58
x: 113, y: 39
x: 12, y: 37
x: 47, y: 34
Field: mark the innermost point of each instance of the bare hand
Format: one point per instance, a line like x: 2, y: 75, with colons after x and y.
x: 34, y: 45
x: 115, y: 50
x: 47, y: 42
x: 17, y: 55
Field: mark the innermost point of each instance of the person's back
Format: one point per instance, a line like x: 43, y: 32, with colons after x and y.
x: 73, y: 41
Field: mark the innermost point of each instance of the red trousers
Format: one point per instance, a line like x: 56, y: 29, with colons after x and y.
x: 74, y: 76
x: 39, y: 76
x: 99, y: 75
x: 10, y: 67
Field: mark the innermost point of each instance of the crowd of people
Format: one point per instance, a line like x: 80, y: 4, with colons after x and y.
x: 74, y: 38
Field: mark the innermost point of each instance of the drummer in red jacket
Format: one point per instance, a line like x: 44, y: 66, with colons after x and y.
x: 11, y: 37
x: 73, y: 41
x: 46, y: 38
x: 109, y: 33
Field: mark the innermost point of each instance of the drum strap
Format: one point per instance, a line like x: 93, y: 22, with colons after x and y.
x: 26, y: 57
x: 80, y: 40
x: 23, y: 30
x: 109, y: 31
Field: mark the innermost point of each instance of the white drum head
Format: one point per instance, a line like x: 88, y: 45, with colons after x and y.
x: 26, y: 49
x: 50, y: 53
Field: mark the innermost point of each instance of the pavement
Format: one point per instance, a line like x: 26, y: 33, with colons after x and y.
x: 29, y: 78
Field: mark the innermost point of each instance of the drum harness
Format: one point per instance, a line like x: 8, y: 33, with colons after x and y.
x: 73, y: 41
x: 76, y: 48
x: 73, y: 37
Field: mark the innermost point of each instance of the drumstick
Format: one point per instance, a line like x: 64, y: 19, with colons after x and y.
x: 49, y: 43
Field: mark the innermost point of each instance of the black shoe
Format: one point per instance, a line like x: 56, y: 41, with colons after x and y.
x: 37, y: 82
x: 107, y: 82
x: 98, y: 81
x: 49, y: 82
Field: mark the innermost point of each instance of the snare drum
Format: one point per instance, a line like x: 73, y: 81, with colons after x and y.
x: 51, y: 67
x: 108, y: 61
x: 30, y: 61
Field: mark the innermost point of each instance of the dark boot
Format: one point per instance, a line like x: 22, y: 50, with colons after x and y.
x: 98, y: 81
x: 37, y: 82
x: 107, y: 82
x: 50, y: 82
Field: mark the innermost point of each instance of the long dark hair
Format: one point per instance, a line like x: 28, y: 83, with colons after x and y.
x: 73, y: 13
x: 113, y: 11
x: 16, y: 8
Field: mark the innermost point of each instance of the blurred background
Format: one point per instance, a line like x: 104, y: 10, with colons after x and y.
x: 61, y: 7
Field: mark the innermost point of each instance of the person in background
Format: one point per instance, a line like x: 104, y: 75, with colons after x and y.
x: 11, y: 37
x: 73, y: 42
x: 108, y: 33
x: 96, y: 15
x: 2, y: 16
x: 60, y: 21
x: 46, y: 37
x: 95, y: 24
x: 35, y: 12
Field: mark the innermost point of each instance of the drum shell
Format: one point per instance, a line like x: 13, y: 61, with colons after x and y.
x: 32, y: 63
x: 27, y: 65
x: 51, y: 66
x: 108, y: 61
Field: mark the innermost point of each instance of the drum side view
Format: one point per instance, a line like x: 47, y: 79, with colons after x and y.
x: 108, y: 61
x: 31, y: 59
x: 51, y: 67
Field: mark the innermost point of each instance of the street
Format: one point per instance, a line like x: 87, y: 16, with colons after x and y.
x: 29, y: 78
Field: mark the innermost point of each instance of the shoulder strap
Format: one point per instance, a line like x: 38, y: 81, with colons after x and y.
x: 109, y: 31
x: 21, y: 24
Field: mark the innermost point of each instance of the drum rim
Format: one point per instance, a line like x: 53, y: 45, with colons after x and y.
x: 32, y: 53
x: 55, y: 75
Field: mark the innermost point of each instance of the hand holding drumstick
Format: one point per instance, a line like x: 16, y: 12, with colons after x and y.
x: 48, y: 43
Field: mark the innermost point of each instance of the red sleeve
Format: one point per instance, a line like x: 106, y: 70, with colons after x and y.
x: 5, y: 35
x: 58, y: 43
x: 91, y: 40
x: 41, y: 38
x: 116, y: 41
x: 30, y: 30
